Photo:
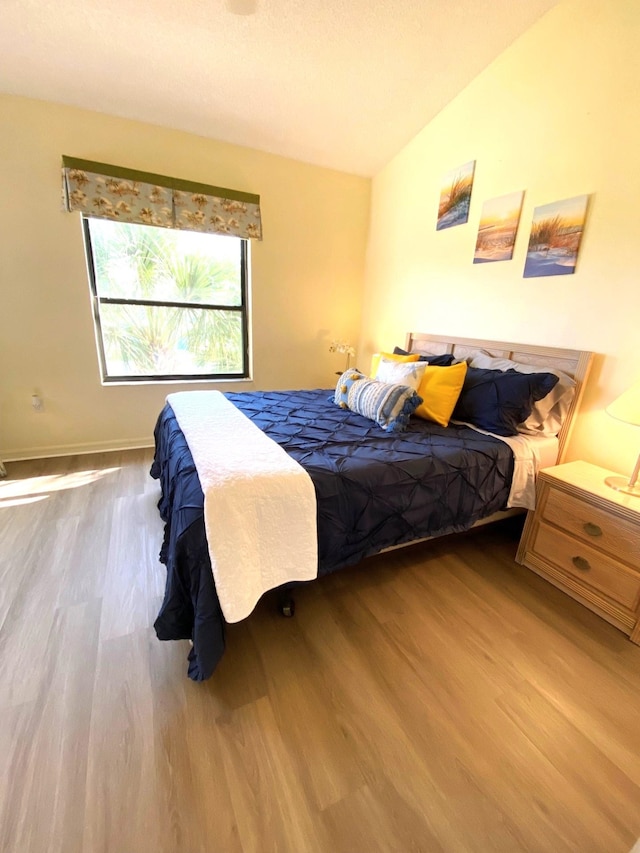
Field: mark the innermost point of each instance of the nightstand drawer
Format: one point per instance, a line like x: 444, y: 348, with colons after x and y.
x: 584, y: 537
x: 593, y: 525
x: 587, y: 566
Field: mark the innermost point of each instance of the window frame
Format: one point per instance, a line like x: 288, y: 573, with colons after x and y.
x: 97, y: 300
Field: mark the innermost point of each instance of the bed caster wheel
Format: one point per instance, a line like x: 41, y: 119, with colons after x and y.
x: 288, y: 608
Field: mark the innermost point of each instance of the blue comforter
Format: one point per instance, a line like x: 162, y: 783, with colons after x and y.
x: 373, y: 489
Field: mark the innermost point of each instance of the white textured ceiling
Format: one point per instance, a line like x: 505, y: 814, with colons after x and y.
x: 338, y: 83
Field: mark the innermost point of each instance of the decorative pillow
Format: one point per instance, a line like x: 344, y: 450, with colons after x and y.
x: 401, y: 373
x: 390, y: 406
x: 375, y: 360
x: 343, y: 384
x: 431, y: 358
x: 498, y: 401
x: 548, y: 414
x: 440, y: 389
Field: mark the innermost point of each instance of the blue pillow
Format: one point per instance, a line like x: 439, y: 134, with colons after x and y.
x: 390, y: 406
x: 498, y: 401
x: 435, y: 360
x: 343, y: 384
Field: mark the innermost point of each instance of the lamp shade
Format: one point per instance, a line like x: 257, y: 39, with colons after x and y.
x: 627, y: 406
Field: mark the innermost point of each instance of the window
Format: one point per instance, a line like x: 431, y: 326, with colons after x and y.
x: 167, y: 304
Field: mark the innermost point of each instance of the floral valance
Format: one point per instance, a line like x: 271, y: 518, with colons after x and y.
x: 127, y: 195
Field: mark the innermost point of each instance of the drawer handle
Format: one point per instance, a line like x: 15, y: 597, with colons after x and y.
x: 581, y: 563
x: 592, y: 529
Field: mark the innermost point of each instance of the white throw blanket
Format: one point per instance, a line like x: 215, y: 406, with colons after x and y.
x: 259, y: 503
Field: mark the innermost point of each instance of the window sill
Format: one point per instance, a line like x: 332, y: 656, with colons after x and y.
x: 117, y: 383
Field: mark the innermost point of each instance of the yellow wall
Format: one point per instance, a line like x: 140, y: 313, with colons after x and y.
x: 307, y: 274
x: 555, y: 115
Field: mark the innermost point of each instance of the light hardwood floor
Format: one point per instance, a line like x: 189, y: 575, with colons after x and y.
x: 439, y: 698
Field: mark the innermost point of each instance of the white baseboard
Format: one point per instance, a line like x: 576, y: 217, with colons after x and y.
x: 75, y: 449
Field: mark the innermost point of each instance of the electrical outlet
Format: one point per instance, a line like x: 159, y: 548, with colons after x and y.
x: 36, y: 402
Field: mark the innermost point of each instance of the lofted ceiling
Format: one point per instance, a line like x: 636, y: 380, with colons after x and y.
x: 338, y: 83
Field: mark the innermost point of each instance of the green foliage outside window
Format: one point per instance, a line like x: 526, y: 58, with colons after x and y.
x: 168, y: 303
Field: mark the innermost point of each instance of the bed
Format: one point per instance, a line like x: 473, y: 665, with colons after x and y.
x: 373, y: 489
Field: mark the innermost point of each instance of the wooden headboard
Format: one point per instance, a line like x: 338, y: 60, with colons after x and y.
x: 575, y: 363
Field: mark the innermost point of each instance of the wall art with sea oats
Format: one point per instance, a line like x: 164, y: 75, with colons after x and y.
x: 455, y: 196
x: 556, y: 232
x: 498, y: 228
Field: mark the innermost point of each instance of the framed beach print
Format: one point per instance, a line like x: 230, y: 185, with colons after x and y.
x: 498, y: 228
x: 455, y: 196
x: 556, y: 233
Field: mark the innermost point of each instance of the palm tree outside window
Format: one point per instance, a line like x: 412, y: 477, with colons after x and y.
x: 168, y: 304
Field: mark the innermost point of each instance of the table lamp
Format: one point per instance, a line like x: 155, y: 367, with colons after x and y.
x: 626, y: 408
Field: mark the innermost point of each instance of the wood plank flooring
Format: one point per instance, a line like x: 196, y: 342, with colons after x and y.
x: 438, y: 698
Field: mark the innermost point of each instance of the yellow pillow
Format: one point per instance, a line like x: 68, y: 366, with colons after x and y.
x: 440, y: 389
x: 375, y: 360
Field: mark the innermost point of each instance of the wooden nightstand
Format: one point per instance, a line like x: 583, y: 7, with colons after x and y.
x: 584, y: 537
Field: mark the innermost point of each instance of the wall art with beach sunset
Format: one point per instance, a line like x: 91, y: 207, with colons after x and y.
x: 554, y: 242
x: 498, y: 228
x: 455, y: 196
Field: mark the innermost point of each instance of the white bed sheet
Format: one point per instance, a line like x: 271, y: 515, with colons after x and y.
x: 531, y: 453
